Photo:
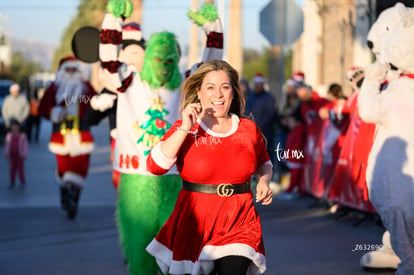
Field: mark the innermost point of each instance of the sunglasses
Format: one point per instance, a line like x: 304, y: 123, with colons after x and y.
x: 71, y: 69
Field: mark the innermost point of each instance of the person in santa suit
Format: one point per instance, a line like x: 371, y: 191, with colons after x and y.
x: 105, y: 104
x: 65, y: 103
x: 214, y: 227
x: 311, y: 103
x: 295, y: 142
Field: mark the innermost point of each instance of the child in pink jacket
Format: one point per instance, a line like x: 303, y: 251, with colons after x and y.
x: 16, y: 149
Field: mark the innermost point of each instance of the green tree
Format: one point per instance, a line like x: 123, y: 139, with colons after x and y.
x: 258, y: 62
x: 255, y: 62
x: 90, y: 13
x: 288, y: 63
x: 21, y: 69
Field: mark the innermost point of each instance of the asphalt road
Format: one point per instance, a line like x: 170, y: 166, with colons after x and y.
x: 37, y: 238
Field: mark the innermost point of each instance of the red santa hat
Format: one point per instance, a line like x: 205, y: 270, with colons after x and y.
x: 69, y: 65
x: 131, y: 34
x: 298, y: 77
x: 259, y: 78
x: 68, y: 61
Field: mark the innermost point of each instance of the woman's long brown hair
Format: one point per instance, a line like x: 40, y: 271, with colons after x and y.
x: 193, y: 84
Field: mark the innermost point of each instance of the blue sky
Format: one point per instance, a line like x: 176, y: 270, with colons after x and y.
x: 45, y: 20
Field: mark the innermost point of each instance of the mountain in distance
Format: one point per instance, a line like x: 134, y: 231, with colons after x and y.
x: 36, y: 51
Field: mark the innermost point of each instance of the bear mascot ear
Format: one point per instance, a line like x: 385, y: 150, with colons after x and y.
x: 386, y: 22
x: 85, y: 44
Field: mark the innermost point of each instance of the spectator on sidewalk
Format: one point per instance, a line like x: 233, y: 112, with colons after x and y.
x: 246, y: 91
x: 16, y: 150
x: 294, y: 157
x: 33, y: 122
x: 290, y: 105
x: 15, y: 106
x: 262, y: 105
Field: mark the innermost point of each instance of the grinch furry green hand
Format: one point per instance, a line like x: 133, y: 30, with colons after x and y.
x: 120, y: 8
x: 207, y: 12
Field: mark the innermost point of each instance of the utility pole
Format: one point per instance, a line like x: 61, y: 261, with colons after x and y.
x: 193, y: 43
x: 235, y: 53
x: 136, y: 15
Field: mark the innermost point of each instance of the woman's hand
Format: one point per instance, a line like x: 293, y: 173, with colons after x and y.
x: 264, y: 193
x: 189, y: 115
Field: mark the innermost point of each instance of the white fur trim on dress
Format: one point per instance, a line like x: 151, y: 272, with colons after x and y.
x: 161, y: 159
x: 74, y: 178
x: 72, y: 146
x: 235, y: 125
x: 208, y: 255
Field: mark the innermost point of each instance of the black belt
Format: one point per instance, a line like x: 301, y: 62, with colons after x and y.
x: 223, y: 190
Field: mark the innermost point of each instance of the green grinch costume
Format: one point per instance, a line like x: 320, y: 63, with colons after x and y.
x: 148, y: 104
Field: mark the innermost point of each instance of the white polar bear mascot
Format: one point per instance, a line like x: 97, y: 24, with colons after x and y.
x: 390, y: 171
x: 383, y: 26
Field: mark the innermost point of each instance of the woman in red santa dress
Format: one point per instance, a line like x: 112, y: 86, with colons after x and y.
x: 214, y: 226
x: 332, y: 138
x: 311, y: 103
x: 349, y: 186
x: 65, y: 103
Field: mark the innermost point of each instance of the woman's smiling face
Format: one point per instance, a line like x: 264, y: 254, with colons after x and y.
x: 216, y: 94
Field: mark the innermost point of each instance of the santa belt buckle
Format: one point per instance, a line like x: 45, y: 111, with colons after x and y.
x: 225, y: 190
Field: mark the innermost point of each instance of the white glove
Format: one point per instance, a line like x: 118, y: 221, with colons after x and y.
x: 57, y: 114
x: 103, y: 102
x: 376, y: 71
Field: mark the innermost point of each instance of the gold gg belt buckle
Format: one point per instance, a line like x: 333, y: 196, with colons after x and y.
x: 225, y: 190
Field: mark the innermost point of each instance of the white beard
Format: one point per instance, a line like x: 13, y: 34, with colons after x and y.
x: 69, y: 86
x: 69, y: 89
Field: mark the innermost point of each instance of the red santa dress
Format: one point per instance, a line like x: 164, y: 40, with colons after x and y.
x: 205, y: 227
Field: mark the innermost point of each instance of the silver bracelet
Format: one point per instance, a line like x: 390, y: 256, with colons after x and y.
x: 187, y: 131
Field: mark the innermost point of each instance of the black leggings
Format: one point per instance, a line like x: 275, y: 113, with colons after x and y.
x: 234, y: 265
x: 230, y: 265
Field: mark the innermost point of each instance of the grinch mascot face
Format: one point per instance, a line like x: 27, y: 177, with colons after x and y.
x: 161, y: 58
x: 163, y: 64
